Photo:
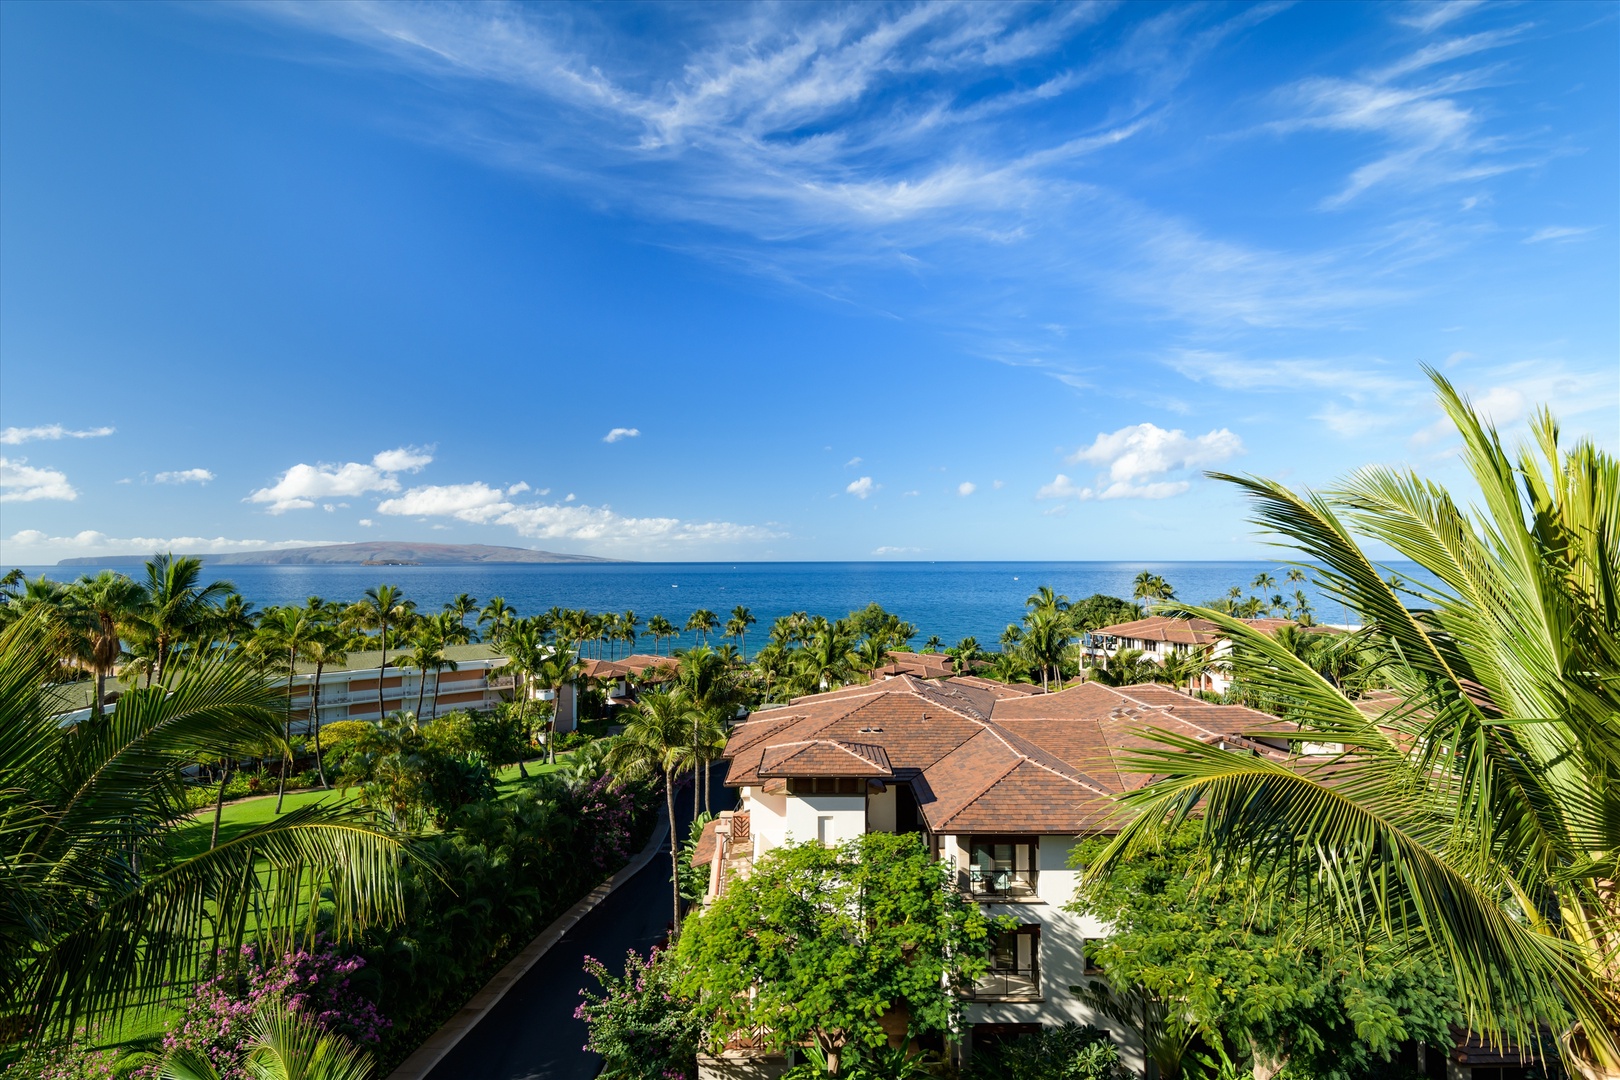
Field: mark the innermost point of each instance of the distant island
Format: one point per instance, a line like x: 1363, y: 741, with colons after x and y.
x: 371, y: 553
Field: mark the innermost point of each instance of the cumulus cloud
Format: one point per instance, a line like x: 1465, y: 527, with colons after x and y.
x: 15, y: 436
x: 1136, y: 461
x: 35, y: 545
x: 619, y: 433
x: 861, y: 488
x: 966, y: 487
x: 482, y: 504
x: 22, y: 482
x: 302, y: 486
x: 519, y: 488
x: 183, y: 476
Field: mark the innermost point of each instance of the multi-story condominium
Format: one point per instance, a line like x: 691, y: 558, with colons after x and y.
x: 348, y: 691
x: 1159, y: 637
x: 1000, y: 781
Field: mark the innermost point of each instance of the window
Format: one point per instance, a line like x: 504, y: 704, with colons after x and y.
x: 1087, y: 946
x: 824, y: 830
x: 826, y: 785
x: 1015, y: 970
x: 1002, y: 867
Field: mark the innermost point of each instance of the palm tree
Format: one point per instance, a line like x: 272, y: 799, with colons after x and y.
x: 932, y: 644
x: 461, y: 607
x: 525, y: 652
x: 1475, y: 821
x: 283, y: 1046
x: 964, y: 653
x: 381, y: 608
x: 177, y: 605
x: 427, y: 654
x: 1263, y: 581
x: 827, y: 660
x: 629, y: 630
x: 497, y: 616
x: 660, y: 628
x: 1044, y: 599
x: 871, y: 654
x: 1295, y: 575
x: 109, y: 601
x: 287, y: 631
x: 325, y: 647
x: 1009, y: 667
x: 657, y: 739
x: 737, y: 626
x: 1047, y: 633
x: 554, y: 672
x: 236, y: 618
x: 1150, y: 586
x: 703, y: 621
x: 103, y: 905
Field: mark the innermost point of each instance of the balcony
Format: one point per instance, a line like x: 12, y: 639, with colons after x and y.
x: 1002, y: 883
x: 1012, y: 983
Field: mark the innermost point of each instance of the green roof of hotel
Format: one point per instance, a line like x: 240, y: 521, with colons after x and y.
x: 361, y: 660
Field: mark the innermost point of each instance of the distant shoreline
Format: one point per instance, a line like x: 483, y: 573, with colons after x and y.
x: 371, y: 553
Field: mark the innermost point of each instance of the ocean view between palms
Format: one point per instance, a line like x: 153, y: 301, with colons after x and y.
x: 971, y: 541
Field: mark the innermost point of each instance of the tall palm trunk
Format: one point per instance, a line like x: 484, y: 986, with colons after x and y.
x: 286, y: 730
x: 421, y: 690
x: 219, y: 804
x: 435, y: 715
x: 522, y: 686
x: 315, y: 723
x: 674, y: 855
x: 382, y: 670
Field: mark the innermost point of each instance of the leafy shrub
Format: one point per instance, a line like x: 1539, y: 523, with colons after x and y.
x: 1069, y: 1052
x: 317, y: 986
x: 75, y: 1060
x: 639, y: 1023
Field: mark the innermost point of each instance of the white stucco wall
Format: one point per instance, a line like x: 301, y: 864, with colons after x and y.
x: 845, y: 814
x: 880, y: 810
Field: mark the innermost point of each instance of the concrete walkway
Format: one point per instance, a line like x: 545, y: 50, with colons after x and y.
x: 530, y: 1033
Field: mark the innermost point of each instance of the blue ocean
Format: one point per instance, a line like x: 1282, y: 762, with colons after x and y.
x: 950, y: 599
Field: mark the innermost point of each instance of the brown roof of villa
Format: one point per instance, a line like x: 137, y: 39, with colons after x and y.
x: 977, y: 758
x: 634, y: 666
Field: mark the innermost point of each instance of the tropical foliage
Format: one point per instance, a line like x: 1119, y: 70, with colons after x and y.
x: 1474, y: 821
x: 641, y: 1022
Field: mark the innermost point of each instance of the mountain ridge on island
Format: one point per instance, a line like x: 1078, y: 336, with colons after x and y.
x: 368, y: 553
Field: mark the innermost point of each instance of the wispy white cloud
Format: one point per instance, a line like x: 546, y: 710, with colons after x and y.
x: 15, y: 436
x: 620, y: 433
x: 183, y: 476
x: 36, y: 545
x: 889, y: 549
x: 302, y: 486
x: 1428, y: 16
x: 1558, y: 233
x: 22, y: 482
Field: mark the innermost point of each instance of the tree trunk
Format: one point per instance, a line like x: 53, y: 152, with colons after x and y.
x: 421, y: 690
x: 521, y: 686
x: 674, y: 855
x: 382, y: 670
x: 286, y: 731
x: 101, y: 691
x: 435, y: 715
x: 219, y: 804
x: 315, y: 723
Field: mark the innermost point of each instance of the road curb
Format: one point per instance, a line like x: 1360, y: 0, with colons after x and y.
x: 441, y: 1042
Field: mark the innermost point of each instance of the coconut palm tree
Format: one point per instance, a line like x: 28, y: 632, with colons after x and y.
x: 286, y: 631
x: 1009, y: 666
x: 629, y: 630
x: 1263, y: 581
x: 657, y: 739
x: 556, y: 670
x: 737, y: 626
x: 1477, y: 821
x: 932, y: 644
x: 427, y: 654
x: 177, y: 606
x: 827, y: 660
x: 283, y: 1046
x: 703, y: 621
x: 381, y: 608
x: 525, y: 651
x: 660, y: 629
x: 1044, y: 599
x: 236, y: 619
x: 872, y: 653
x: 103, y: 906
x: 461, y: 607
x: 326, y: 646
x: 497, y: 615
x: 109, y: 601
x: 1047, y: 633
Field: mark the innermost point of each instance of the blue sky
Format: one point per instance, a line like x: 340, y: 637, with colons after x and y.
x: 780, y: 281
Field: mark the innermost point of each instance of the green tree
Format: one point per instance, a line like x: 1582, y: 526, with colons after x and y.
x: 657, y: 740
x: 660, y: 629
x: 827, y: 660
x: 326, y: 646
x: 109, y: 601
x: 1474, y: 821
x: 817, y: 943
x: 177, y: 605
x: 428, y: 646
x: 871, y: 654
x: 556, y: 670
x: 461, y: 607
x: 703, y: 622
x: 737, y: 626
x: 282, y: 1047
x: 497, y: 615
x: 1150, y: 586
x: 381, y: 608
x: 1047, y: 636
x: 1227, y: 964
x: 1099, y: 610
x: 286, y: 631
x: 103, y: 906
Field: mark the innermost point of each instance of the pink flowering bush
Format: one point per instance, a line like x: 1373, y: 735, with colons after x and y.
x: 75, y: 1060
x: 643, y: 1028
x: 218, y: 1020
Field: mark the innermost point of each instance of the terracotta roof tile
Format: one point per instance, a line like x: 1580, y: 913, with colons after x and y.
x: 824, y: 757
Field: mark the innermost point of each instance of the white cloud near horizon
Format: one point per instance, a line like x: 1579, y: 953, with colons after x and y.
x: 621, y: 433
x: 481, y: 504
x: 39, y: 544
x: 302, y: 486
x: 183, y: 476
x: 1138, y: 459
x: 15, y: 436
x: 22, y: 482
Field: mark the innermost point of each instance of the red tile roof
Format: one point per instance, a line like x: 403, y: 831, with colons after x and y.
x: 977, y: 757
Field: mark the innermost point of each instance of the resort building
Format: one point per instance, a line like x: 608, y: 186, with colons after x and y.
x: 1159, y: 638
x: 1000, y: 781
x: 348, y: 691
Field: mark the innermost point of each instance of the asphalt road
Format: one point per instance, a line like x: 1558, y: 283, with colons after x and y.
x: 531, y: 1034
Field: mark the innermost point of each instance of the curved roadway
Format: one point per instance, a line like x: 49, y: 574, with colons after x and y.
x: 531, y: 1033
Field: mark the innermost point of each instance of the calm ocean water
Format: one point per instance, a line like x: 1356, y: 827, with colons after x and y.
x: 952, y: 600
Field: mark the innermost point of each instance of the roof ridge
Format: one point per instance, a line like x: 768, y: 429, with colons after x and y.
x: 1035, y: 759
